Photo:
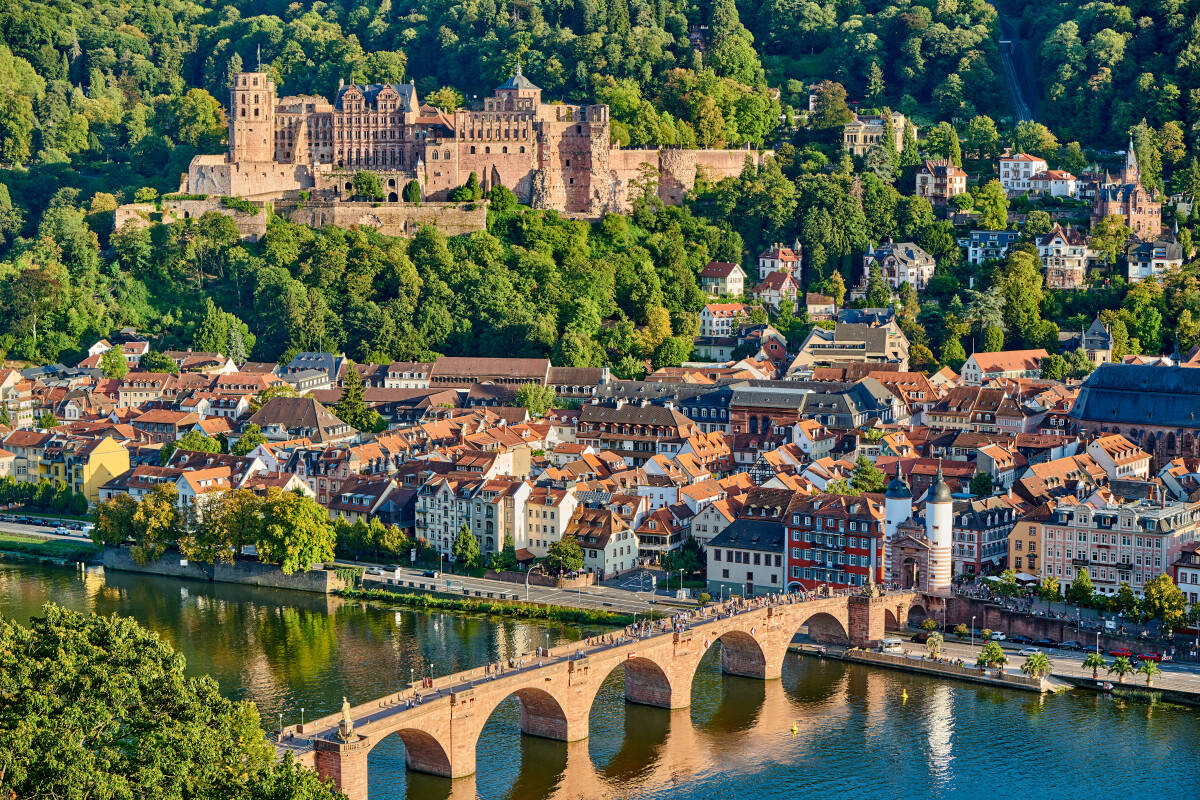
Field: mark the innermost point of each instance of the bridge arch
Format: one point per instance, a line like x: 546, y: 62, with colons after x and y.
x: 422, y: 751
x: 742, y: 654
x: 891, y: 621
x: 542, y: 714
x: 916, y: 613
x: 826, y: 628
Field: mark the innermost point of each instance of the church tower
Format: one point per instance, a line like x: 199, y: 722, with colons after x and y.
x: 252, y: 118
x: 939, y: 528
x: 897, y: 508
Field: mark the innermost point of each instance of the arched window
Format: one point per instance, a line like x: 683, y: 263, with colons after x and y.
x: 446, y: 156
x: 435, y: 155
x: 504, y: 149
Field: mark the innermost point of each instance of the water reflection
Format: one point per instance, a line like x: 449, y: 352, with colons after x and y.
x: 856, y: 734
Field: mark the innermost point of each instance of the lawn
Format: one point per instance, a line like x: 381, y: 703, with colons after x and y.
x: 51, y: 548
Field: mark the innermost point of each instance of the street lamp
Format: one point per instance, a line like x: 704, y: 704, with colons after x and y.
x: 681, y: 580
x: 301, y: 716
x: 529, y: 572
x: 412, y: 678
x: 972, y: 631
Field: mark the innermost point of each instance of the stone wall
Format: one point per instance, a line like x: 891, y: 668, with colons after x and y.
x: 250, y: 226
x: 393, y: 219
x: 250, y: 573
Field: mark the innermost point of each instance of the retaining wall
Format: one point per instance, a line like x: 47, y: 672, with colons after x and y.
x: 249, y: 573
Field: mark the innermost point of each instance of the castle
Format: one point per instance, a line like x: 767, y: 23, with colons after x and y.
x: 1129, y: 199
x: 551, y: 155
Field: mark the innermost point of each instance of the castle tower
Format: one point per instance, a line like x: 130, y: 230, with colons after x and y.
x: 897, y: 507
x: 252, y: 118
x: 518, y: 87
x: 1132, y: 172
x: 939, y: 526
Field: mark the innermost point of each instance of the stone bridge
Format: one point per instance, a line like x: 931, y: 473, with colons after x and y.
x: 440, y: 725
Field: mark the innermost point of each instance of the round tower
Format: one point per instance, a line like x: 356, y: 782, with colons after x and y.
x: 939, y: 525
x: 897, y: 508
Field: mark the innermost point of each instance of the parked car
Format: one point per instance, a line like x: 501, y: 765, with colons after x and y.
x: 999, y: 636
x: 1121, y: 652
x: 1045, y: 642
x: 1028, y: 651
x: 430, y: 573
x: 920, y: 638
x: 1150, y: 656
x: 1071, y: 644
x: 1019, y: 639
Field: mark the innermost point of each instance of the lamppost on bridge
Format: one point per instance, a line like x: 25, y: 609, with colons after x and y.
x: 972, y: 630
x: 301, y: 716
x: 412, y: 678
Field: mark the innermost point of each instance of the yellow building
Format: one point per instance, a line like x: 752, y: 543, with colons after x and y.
x: 1025, y: 541
x: 84, y: 465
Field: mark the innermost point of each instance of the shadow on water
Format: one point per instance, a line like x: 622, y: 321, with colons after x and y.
x: 387, y: 775
x: 542, y: 764
x: 723, y: 703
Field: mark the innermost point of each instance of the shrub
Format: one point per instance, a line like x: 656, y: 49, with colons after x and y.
x: 240, y: 205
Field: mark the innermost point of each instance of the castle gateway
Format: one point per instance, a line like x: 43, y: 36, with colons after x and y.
x: 551, y: 155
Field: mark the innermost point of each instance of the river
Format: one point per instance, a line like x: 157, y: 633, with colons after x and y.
x: 857, y: 736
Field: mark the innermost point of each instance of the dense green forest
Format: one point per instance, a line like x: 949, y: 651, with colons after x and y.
x: 103, y: 103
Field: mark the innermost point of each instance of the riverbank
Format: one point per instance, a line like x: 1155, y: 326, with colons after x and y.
x: 428, y: 601
x: 19, y: 545
x: 248, y: 573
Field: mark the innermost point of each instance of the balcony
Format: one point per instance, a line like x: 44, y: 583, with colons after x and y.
x: 1080, y: 562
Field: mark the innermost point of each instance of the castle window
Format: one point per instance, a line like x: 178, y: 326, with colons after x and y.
x: 256, y: 96
x: 568, y: 162
x: 243, y: 111
x: 435, y: 155
x: 446, y: 155
x: 487, y: 150
x: 472, y: 149
x: 503, y: 149
x: 522, y: 148
x: 256, y: 112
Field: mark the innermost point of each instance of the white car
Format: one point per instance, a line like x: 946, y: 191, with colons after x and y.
x: 999, y: 636
x: 1028, y: 651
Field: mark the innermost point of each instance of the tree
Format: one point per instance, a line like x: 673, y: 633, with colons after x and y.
x: 1120, y: 667
x: 953, y: 354
x: 1164, y: 601
x: 1081, y: 589
x: 506, y: 559
x: 992, y: 655
x: 1037, y: 665
x: 113, y: 363
x: 1095, y: 662
x: 981, y: 484
x: 992, y: 201
x: 351, y: 407
x: 1150, y: 669
x: 277, y: 390
x: 465, y: 549
x: 671, y: 352
x: 367, y: 186
x: 962, y: 631
x: 829, y: 106
x: 835, y: 287
x: 192, y: 440
x: 199, y: 119
x: 535, y: 399
x: 1048, y: 590
x: 135, y: 682
x: 154, y: 361
x: 566, y: 553
x: 1007, y: 586
x: 412, y: 192
x: 251, y: 438
x: 866, y: 477
x: 993, y: 339
x: 114, y: 520
x: 981, y: 137
x: 1034, y: 138
x: 933, y: 645
x: 879, y: 294
x: 156, y: 524
x: 929, y: 624
x: 445, y: 98
x: 1054, y: 367
x: 1109, y: 236
x: 295, y: 532
x: 47, y: 421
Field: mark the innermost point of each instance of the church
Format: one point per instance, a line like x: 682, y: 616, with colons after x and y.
x: 1130, y: 199
x: 552, y: 155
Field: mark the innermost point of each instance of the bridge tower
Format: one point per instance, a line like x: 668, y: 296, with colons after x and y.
x: 939, y: 526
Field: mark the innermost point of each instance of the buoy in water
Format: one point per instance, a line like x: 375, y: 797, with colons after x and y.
x: 904, y: 695
x: 794, y: 730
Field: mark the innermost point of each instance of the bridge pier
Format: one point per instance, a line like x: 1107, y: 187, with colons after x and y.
x: 345, y: 763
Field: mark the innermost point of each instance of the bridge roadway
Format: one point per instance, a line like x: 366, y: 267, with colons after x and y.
x: 440, y: 724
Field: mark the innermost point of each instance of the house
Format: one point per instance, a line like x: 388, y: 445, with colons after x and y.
x: 1128, y: 198
x: 408, y: 375
x: 610, y: 547
x: 1186, y: 571
x: 865, y: 132
x: 1002, y: 463
x: 548, y: 513
x: 1017, y: 171
x: 712, y: 519
x: 851, y: 343
x: 634, y: 432
x: 722, y: 279
x: 835, y: 540
x: 747, y: 559
x: 778, y: 258
x: 16, y: 398
x: 282, y: 418
x: 900, y: 262
x: 1153, y: 257
x: 820, y: 307
x: 164, y: 425
x: 1063, y: 253
x: 982, y: 367
x: 723, y: 319
x: 975, y: 408
x: 82, y: 464
x: 813, y: 439
x: 777, y: 288
x: 1120, y: 458
x: 980, y: 534
x: 328, y: 363
x: 1053, y: 182
x: 984, y: 246
x: 939, y: 179
x: 461, y: 371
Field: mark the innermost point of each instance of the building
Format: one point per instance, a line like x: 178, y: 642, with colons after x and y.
x: 609, y: 546
x: 979, y: 409
x: 1017, y: 171
x: 939, y: 531
x: 283, y: 418
x: 848, y: 343
x: 1025, y: 541
x: 1121, y: 459
x: 1128, y: 198
x: 1063, y: 252
x: 980, y: 368
x: 1153, y: 257
x: 778, y: 258
x: 900, y: 262
x: 777, y: 289
x: 723, y: 279
x: 820, y: 307
x: 747, y: 559
x: 1129, y: 543
x: 984, y: 246
x: 723, y: 319
x: 634, y: 432
x: 835, y: 540
x: 1053, y: 182
x: 83, y: 465
x: 865, y: 132
x: 1154, y: 407
x: 1186, y: 571
x: 980, y: 535
x: 552, y: 155
x: 16, y: 398
x: 938, y: 180
x: 548, y: 512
